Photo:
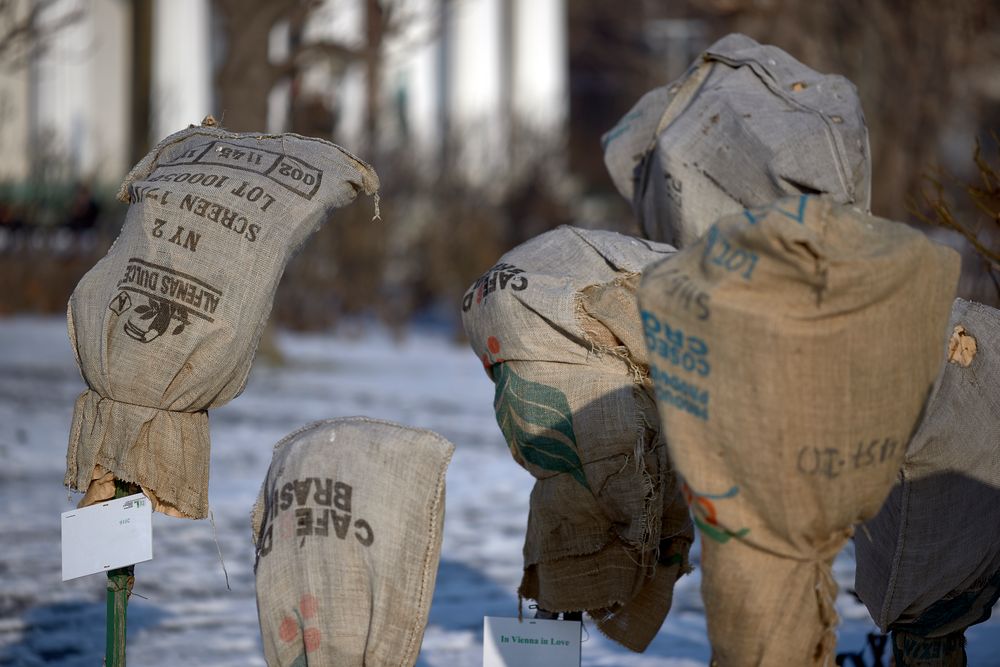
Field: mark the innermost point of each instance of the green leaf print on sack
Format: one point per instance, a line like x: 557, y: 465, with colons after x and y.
x: 537, y: 423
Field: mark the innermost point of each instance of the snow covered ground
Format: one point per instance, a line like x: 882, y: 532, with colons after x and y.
x: 188, y: 616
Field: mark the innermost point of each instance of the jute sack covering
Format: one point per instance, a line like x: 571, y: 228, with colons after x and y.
x: 746, y: 124
x: 165, y: 326
x: 557, y: 327
x: 347, y: 529
x: 787, y: 400
x: 924, y: 560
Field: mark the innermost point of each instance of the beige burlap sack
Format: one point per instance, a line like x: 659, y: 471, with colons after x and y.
x: 165, y: 326
x: 787, y: 400
x: 746, y: 124
x: 348, y: 529
x: 557, y: 327
x: 929, y: 561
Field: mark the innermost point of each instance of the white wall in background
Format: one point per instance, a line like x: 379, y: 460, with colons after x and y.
x: 110, y: 88
x: 540, y: 64
x: 475, y: 90
x: 63, y: 105
x: 14, y: 123
x: 411, y: 84
x: 464, y: 76
x: 182, y: 65
x: 69, y: 107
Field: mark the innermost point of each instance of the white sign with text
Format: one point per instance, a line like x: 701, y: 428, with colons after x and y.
x: 533, y: 642
x: 107, y: 535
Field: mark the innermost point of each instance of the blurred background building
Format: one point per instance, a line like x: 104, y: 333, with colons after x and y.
x: 483, y: 118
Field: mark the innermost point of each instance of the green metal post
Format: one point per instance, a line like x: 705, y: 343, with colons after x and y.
x: 120, y: 582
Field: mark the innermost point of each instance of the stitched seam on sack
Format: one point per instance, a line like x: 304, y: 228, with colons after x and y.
x: 101, y: 399
x: 772, y: 84
x: 428, y: 557
x: 347, y: 420
x: 579, y: 233
x: 890, y: 589
x: 358, y: 418
x: 622, y: 267
x: 148, y: 164
x: 686, y: 93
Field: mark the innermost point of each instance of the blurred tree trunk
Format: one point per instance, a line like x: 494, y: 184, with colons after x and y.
x: 27, y: 30
x: 375, y: 28
x: 610, y: 69
x: 142, y: 77
x: 246, y: 75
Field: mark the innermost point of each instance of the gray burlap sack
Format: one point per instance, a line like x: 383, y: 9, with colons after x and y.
x: 348, y: 528
x: 787, y: 400
x: 745, y: 125
x: 557, y: 327
x: 925, y: 561
x: 165, y: 326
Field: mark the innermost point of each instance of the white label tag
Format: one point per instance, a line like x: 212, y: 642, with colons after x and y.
x: 532, y: 642
x: 102, y: 537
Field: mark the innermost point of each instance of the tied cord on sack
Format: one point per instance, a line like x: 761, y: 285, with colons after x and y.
x: 826, y: 605
x: 116, y: 586
x: 827, y: 613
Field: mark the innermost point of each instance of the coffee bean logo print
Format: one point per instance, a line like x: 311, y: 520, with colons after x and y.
x: 706, y: 516
x: 172, y: 299
x: 299, y: 627
x: 308, y: 605
x: 155, y: 319
x: 288, y: 630
x: 490, y: 358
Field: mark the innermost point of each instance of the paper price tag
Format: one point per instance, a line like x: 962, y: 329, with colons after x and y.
x: 533, y: 642
x: 102, y: 537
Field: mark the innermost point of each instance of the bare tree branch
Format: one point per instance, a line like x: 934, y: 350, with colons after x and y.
x: 25, y: 36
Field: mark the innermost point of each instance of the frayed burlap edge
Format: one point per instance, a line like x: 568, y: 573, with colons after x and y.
x: 634, y: 613
x: 109, y: 436
x: 631, y: 620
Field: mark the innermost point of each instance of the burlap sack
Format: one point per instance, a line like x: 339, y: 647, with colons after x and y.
x: 165, y: 326
x: 746, y: 124
x: 929, y: 556
x: 787, y: 400
x: 348, y: 528
x: 557, y: 327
